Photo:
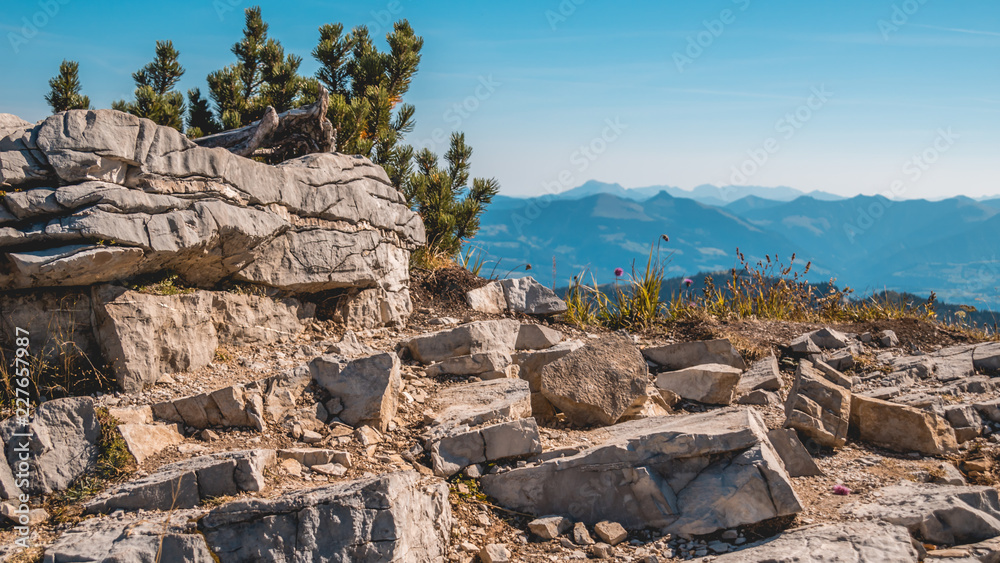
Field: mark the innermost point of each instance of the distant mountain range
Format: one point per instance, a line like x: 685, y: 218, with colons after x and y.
x: 709, y: 195
x: 871, y: 243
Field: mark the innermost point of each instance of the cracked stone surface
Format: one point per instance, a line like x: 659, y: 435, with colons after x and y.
x: 100, y: 196
x: 692, y: 474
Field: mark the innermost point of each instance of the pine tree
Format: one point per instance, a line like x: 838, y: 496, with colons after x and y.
x: 64, y: 89
x: 366, y: 90
x: 155, y: 97
x: 200, y: 120
x: 449, y: 207
x: 262, y: 76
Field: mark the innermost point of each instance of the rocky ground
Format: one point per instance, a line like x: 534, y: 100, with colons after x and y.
x: 281, y: 385
x: 833, y: 476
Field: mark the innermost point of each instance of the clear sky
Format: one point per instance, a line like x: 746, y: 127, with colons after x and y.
x: 657, y: 93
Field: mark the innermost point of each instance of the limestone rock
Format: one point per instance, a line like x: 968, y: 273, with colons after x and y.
x: 888, y: 339
x: 476, y: 404
x: 151, y: 538
x: 144, y: 336
x: 368, y: 387
x: 849, y: 542
x: 396, y: 517
x: 532, y: 362
x: 109, y: 196
x: 817, y: 408
x: 965, y: 420
x: 473, y: 338
x: 901, y: 428
x: 145, y: 440
x: 989, y: 409
x: 464, y: 447
x: 525, y: 295
x: 796, y: 458
x: 537, y: 337
x: 487, y: 299
x: 550, y: 527
x: 598, y: 383
x: 940, y: 514
x: 611, y: 533
x: 242, y: 319
x: 689, y: 354
x: 309, y: 457
x: 828, y: 338
x: 186, y: 483
x: 763, y: 374
x: 474, y: 364
x: 986, y: 357
x: 494, y: 553
x: 710, y: 383
x: 691, y: 474
x: 236, y: 406
x: 61, y: 441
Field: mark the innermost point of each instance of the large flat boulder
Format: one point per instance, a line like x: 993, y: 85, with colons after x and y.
x: 107, y: 196
x: 472, y: 338
x: 396, y: 517
x: 714, y: 384
x: 597, y: 383
x: 901, y: 428
x: 483, y: 402
x: 692, y: 474
x: 368, y: 388
x: 939, y: 514
x: 149, y: 538
x: 848, y: 542
x: 817, y: 407
x: 688, y: 354
x: 61, y: 442
x: 185, y: 484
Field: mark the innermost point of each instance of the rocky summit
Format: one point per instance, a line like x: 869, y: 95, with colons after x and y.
x: 274, y: 382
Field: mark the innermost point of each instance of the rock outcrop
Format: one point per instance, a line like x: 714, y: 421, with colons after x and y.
x: 101, y: 196
x: 854, y: 542
x: 397, y: 517
x: 691, y: 474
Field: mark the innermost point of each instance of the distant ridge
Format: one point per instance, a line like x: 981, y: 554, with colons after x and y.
x: 717, y: 196
x: 870, y: 243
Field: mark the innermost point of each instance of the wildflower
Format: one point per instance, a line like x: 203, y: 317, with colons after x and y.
x: 619, y: 272
x: 527, y: 267
x: 688, y: 281
x: 841, y: 490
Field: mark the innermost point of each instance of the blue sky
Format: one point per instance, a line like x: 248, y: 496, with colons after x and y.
x: 551, y: 94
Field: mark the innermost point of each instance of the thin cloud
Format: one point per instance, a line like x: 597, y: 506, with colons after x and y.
x: 959, y: 30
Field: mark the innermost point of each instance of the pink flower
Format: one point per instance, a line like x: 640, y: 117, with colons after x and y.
x: 619, y: 272
x: 841, y: 490
x: 688, y: 281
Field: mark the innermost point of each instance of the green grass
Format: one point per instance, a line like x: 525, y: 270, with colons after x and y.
x: 768, y: 289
